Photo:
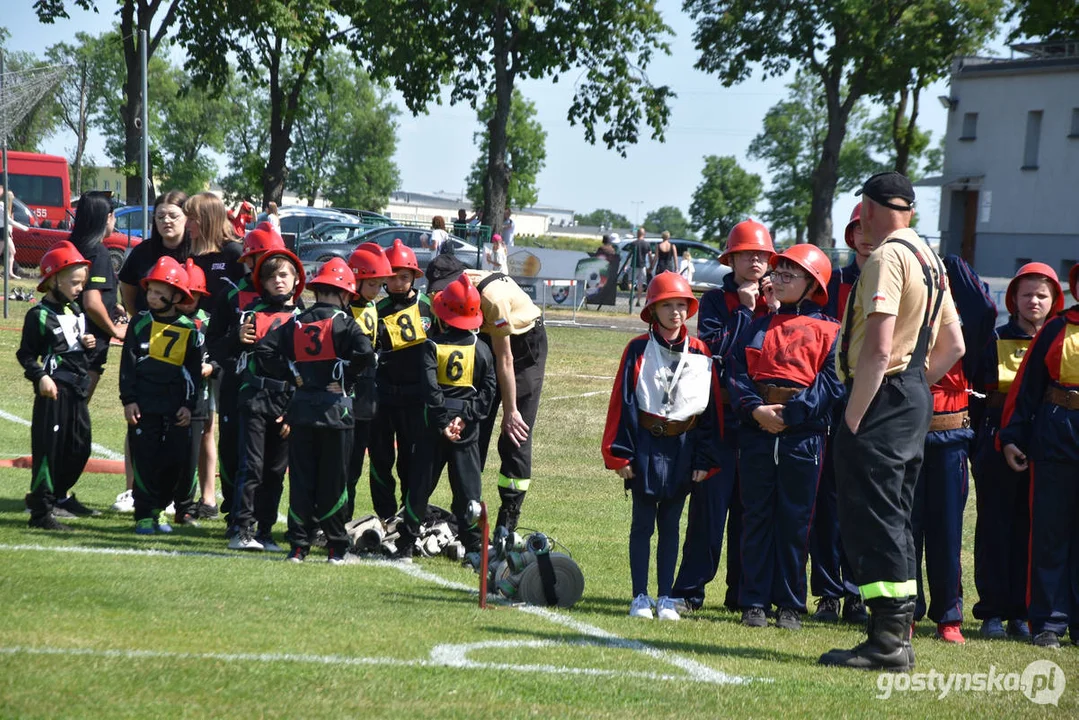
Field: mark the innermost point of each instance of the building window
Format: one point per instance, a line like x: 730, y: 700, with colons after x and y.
x: 1020, y: 262
x: 1075, y: 124
x: 106, y: 184
x: 1065, y: 267
x: 1033, y: 139
x: 970, y: 126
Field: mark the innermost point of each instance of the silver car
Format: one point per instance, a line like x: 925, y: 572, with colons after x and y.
x: 708, y: 272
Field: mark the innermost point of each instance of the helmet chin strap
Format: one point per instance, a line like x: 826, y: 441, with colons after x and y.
x: 279, y: 298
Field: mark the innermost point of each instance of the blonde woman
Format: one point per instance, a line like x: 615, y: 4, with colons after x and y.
x: 685, y: 268
x: 272, y: 216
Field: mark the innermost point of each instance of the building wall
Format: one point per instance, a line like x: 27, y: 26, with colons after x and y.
x: 1022, y: 212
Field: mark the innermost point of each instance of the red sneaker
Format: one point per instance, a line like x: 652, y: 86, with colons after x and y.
x: 949, y: 632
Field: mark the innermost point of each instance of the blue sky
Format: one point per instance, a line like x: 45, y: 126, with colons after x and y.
x: 435, y: 151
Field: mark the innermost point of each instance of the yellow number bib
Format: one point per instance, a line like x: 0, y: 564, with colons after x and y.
x: 1069, y: 356
x: 455, y: 363
x: 1009, y: 356
x: 367, y: 318
x: 168, y: 343
x: 405, y: 327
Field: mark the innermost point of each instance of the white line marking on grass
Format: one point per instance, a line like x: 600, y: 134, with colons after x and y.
x: 586, y: 377
x: 101, y: 450
x: 582, y: 395
x: 694, y: 670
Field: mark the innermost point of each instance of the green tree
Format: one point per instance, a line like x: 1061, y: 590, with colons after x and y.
x: 345, y: 139
x: 603, y: 218
x: 526, y: 153
x: 135, y: 16
x: 483, y: 48
x: 1045, y: 20
x: 283, y: 43
x: 726, y: 196
x: 852, y: 49
x: 671, y: 219
x: 78, y: 94
x: 247, y: 140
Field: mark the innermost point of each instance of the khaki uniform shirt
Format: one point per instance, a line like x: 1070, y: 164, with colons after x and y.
x: 507, y: 309
x: 893, y: 283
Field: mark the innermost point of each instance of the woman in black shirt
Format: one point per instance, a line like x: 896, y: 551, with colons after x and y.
x: 168, y: 237
x: 214, y: 247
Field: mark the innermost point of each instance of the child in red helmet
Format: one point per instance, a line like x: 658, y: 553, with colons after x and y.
x: 327, y: 350
x: 1002, y: 530
x: 264, y: 394
x: 159, y: 374
x: 404, y: 317
x: 1040, y: 433
x: 204, y: 407
x: 371, y: 269
x: 222, y: 341
x: 53, y: 356
x: 661, y: 433
x: 783, y: 385
x: 459, y: 387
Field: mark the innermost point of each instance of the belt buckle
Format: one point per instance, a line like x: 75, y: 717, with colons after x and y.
x: 659, y: 429
x: 1071, y: 398
x: 966, y: 422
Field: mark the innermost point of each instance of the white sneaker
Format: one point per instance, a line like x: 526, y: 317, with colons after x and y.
x: 243, y: 540
x: 171, y: 509
x: 665, y: 609
x: 641, y: 607
x: 125, y: 502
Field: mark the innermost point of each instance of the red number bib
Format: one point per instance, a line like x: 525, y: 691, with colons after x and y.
x: 313, y: 342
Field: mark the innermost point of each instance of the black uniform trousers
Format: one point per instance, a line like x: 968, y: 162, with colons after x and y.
x: 830, y: 575
x: 228, y: 440
x: 318, y: 478
x: 466, y: 484
x: 876, y: 475
x: 1001, y: 536
x: 396, y: 433
x: 361, y: 438
x: 60, y: 446
x: 160, y: 453
x: 191, y: 489
x: 260, y: 480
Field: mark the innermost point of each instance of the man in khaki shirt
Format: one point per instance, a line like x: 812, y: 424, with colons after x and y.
x: 900, y: 334
x: 513, y: 327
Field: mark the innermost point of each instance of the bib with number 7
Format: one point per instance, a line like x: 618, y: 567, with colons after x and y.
x: 168, y: 343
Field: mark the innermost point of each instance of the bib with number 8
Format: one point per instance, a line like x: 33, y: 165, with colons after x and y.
x: 455, y: 364
x: 168, y: 343
x: 405, y: 327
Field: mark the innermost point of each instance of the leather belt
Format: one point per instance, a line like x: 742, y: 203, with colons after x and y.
x: 950, y: 421
x: 662, y: 427
x: 1068, y: 399
x: 775, y: 395
x: 995, y: 400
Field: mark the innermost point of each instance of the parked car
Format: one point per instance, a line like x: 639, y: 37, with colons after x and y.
x: 129, y: 220
x: 297, y: 219
x: 370, y: 219
x: 23, y: 214
x: 708, y: 272
x: 31, y: 244
x: 332, y: 231
x: 320, y: 252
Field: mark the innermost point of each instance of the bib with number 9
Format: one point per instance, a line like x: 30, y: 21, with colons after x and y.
x: 455, y: 363
x: 168, y: 343
x: 405, y: 327
x: 367, y: 318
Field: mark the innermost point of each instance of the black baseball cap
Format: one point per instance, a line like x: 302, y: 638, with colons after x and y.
x: 882, y: 187
x: 441, y: 271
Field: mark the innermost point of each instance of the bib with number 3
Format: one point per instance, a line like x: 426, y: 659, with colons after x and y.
x: 455, y: 364
x: 168, y: 343
x: 405, y: 328
x: 313, y: 342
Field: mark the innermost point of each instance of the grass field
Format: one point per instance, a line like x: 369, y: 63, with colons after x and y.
x: 100, y: 624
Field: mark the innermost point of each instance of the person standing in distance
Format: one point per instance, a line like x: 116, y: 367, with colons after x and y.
x: 900, y: 334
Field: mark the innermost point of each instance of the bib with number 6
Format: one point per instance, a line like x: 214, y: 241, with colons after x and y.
x: 168, y: 343
x: 455, y: 363
x: 405, y: 327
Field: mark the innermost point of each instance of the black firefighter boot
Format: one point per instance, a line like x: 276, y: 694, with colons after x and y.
x: 510, y: 509
x: 887, y: 646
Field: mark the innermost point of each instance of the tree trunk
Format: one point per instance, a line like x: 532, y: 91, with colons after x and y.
x: 903, y: 127
x: 275, y: 172
x: 81, y: 122
x: 826, y: 174
x: 497, y: 182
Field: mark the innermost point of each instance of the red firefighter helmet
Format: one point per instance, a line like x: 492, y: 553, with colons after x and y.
x: 747, y: 235
x: 196, y: 278
x: 458, y: 304
x: 335, y: 273
x: 401, y: 256
x: 256, y: 275
x: 262, y: 239
x: 664, y: 286
x: 855, y: 220
x: 61, y: 255
x: 811, y: 259
x: 1073, y: 281
x: 167, y: 270
x: 369, y: 261
x: 1037, y: 269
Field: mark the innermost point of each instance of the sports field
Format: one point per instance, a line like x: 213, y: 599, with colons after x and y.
x: 98, y: 623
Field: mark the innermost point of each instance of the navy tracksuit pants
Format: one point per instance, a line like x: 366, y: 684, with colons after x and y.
x: 830, y: 575
x: 650, y: 513
x: 1001, y: 536
x: 779, y: 477
x: 712, y: 504
x: 1053, y: 592
x: 937, y: 523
